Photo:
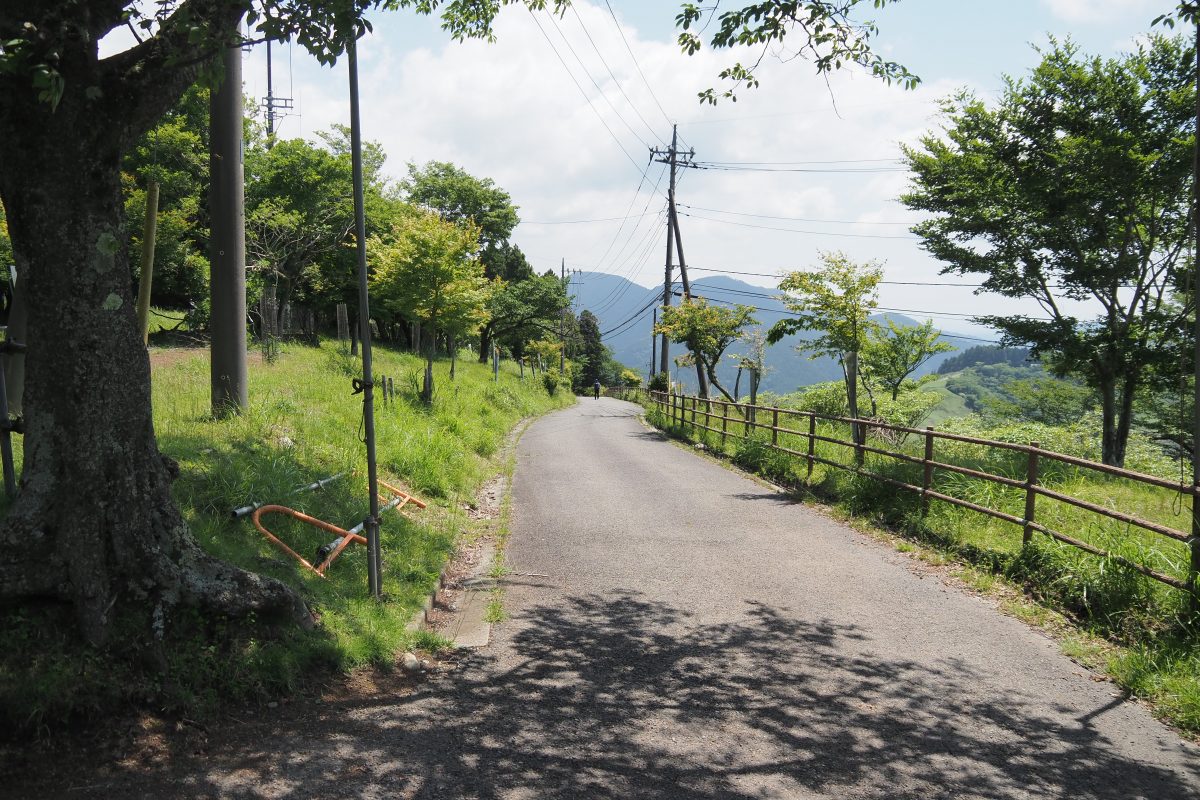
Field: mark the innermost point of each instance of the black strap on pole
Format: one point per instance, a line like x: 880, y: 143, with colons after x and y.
x: 371, y: 525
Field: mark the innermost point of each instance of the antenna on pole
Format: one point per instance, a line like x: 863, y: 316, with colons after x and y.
x: 272, y: 105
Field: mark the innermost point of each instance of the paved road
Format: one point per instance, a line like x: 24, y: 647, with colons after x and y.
x: 677, y: 631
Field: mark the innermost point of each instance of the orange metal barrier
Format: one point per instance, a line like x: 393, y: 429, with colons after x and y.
x: 345, y: 537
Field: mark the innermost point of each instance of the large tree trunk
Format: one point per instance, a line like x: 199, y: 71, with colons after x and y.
x: 94, y: 524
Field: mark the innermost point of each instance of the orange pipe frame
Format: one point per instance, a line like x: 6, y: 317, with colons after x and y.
x: 345, y: 536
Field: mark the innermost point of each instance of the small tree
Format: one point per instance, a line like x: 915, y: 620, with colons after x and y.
x: 836, y: 301
x: 427, y: 270
x: 1077, y: 185
x: 708, y: 331
x: 894, y: 353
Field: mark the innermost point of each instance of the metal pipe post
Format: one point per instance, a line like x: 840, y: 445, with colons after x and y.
x: 371, y: 524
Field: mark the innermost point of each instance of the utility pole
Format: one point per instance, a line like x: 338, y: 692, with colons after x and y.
x: 562, y: 322
x: 227, y: 242
x: 653, y: 325
x: 674, y: 158
x: 1194, y: 570
x: 272, y: 104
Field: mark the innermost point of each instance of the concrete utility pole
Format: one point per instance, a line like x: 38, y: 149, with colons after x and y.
x: 562, y: 323
x: 674, y: 158
x: 227, y: 242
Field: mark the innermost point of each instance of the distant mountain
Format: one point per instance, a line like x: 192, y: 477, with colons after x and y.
x: 625, y: 310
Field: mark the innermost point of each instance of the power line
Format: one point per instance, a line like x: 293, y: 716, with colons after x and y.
x: 591, y: 105
x: 620, y: 89
x: 833, y: 170
x: 583, y: 221
x: 793, y: 219
x: 586, y: 71
x: 633, y: 58
x: 796, y: 230
x: 804, y: 163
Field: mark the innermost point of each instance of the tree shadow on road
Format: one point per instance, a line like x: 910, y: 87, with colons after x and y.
x: 607, y: 698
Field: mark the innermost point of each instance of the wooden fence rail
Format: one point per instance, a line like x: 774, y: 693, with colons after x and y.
x: 698, y: 413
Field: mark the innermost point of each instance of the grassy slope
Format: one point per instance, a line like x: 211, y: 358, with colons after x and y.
x: 303, y: 424
x: 951, y: 406
x: 1156, y: 652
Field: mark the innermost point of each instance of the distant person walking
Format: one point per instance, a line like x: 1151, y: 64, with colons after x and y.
x: 596, y: 388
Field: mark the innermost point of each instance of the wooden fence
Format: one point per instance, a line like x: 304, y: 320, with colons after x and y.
x: 699, y: 413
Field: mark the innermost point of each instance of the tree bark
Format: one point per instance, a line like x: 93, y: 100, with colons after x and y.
x: 485, y: 344
x: 94, y: 524
x: 1108, y: 423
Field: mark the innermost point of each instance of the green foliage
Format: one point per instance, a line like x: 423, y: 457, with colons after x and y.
x: 836, y: 302
x: 890, y: 356
x: 552, y: 381
x: 708, y: 331
x: 828, y: 34
x: 594, y: 352
x: 6, y: 251
x: 458, y: 196
x: 907, y: 409
x: 523, y: 310
x: 175, y: 154
x: 985, y: 354
x: 1050, y: 400
x: 1076, y: 185
x: 755, y: 454
x: 659, y: 382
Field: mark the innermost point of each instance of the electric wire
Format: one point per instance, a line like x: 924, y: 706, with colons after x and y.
x: 590, y: 77
x: 790, y: 219
x: 591, y: 105
x: 708, y: 165
x: 636, y: 65
x: 617, y: 82
x: 797, y: 230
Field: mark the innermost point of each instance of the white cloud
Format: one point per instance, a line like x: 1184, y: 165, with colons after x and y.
x: 1100, y: 11
x: 510, y: 112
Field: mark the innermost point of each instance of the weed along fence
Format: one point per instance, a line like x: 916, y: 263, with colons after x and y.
x: 1116, y: 514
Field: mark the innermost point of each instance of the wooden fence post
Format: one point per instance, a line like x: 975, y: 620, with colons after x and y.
x: 724, y: 422
x: 812, y: 440
x: 774, y: 427
x: 695, y: 402
x: 707, y: 413
x: 1031, y: 480
x: 927, y: 479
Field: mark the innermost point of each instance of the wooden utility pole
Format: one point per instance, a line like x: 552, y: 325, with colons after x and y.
x: 674, y: 158
x: 227, y: 242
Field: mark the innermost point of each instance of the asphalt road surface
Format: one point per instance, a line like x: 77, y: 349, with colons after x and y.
x: 678, y: 631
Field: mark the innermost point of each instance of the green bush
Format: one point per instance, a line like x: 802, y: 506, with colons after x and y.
x: 660, y: 382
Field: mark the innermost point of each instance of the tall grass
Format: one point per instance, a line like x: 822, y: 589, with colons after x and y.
x: 303, y: 424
